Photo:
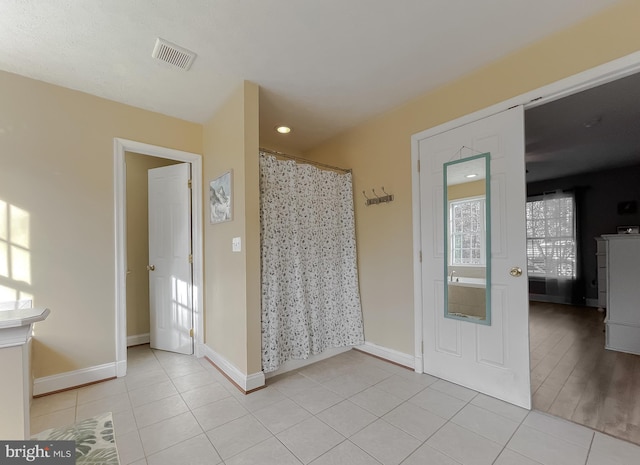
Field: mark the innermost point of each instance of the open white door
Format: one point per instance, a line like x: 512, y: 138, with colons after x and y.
x: 491, y: 359
x: 170, y: 279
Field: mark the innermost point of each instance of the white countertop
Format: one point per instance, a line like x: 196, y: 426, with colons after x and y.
x: 22, y: 317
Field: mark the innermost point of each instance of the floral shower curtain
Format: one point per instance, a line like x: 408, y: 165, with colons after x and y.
x: 310, y: 297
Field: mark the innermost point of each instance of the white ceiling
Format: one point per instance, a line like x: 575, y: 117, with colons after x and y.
x: 457, y: 173
x: 323, y: 66
x: 593, y: 130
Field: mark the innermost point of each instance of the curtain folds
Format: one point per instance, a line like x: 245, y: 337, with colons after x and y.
x: 310, y: 296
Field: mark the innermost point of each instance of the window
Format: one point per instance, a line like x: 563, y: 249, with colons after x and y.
x: 551, y: 237
x: 466, y: 219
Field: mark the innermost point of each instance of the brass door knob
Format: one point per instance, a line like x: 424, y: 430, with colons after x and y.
x: 516, y: 272
x: 151, y: 267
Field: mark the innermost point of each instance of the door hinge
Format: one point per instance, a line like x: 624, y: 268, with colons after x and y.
x: 422, y: 347
x: 191, y: 332
x: 420, y: 256
x: 190, y: 258
x: 418, y: 166
x: 189, y: 183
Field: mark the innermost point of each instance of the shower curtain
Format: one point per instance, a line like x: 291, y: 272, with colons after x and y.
x: 310, y: 297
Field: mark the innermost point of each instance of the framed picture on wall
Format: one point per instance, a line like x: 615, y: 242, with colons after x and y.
x: 220, y: 198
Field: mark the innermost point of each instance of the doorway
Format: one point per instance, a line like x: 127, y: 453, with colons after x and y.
x: 589, y: 79
x: 121, y: 146
x: 137, y: 201
x: 584, y: 147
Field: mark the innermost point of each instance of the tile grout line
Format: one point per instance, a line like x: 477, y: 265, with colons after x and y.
x: 287, y: 396
x: 593, y: 438
x: 378, y: 417
x: 424, y: 443
x: 343, y: 398
x: 511, y: 437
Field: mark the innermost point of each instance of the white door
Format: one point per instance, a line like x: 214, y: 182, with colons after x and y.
x: 170, y: 282
x: 491, y: 359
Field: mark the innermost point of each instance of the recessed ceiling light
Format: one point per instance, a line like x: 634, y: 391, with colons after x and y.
x: 283, y: 129
x: 471, y: 175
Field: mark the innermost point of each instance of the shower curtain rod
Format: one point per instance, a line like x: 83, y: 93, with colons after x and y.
x: 304, y: 160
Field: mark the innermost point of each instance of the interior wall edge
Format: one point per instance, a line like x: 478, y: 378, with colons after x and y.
x: 246, y: 382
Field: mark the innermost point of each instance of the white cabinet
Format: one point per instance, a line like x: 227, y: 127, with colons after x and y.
x: 601, y: 256
x: 623, y: 292
x: 16, y: 327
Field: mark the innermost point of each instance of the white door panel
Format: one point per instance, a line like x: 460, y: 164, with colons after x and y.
x: 491, y: 359
x: 170, y: 281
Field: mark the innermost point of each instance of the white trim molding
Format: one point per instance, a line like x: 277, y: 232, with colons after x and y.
x: 592, y: 303
x: 120, y: 146
x: 200, y: 350
x: 391, y: 355
x: 72, y: 379
x: 137, y: 339
x: 291, y: 365
x: 245, y: 382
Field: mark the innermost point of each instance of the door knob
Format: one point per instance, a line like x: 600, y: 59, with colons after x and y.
x: 516, y: 271
x: 151, y: 267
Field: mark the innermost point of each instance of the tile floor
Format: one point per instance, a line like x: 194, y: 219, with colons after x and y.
x: 351, y: 409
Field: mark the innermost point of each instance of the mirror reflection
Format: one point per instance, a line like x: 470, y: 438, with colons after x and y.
x: 467, y: 239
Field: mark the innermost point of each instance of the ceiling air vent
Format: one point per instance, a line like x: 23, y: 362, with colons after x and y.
x: 173, y: 54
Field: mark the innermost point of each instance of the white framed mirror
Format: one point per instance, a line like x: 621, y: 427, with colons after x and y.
x: 467, y: 264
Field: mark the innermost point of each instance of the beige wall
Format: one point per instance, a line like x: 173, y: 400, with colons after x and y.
x: 56, y: 158
x: 380, y: 154
x: 232, y: 280
x: 137, y: 166
x: 466, y: 190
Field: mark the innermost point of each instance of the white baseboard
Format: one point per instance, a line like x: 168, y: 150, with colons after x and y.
x: 592, y: 303
x: 71, y: 379
x: 245, y: 382
x: 137, y: 339
x: 297, y: 364
x: 199, y: 349
x: 400, y: 358
x: 121, y: 368
x: 551, y: 299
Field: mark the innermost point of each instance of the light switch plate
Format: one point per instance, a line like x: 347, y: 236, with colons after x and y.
x: 236, y: 244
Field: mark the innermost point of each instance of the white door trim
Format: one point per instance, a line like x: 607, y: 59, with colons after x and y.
x: 590, y: 78
x: 120, y: 146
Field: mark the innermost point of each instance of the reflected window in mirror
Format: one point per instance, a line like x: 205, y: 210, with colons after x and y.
x: 467, y: 231
x: 467, y: 239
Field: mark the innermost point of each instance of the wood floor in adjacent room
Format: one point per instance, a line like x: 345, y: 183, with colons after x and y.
x: 574, y: 377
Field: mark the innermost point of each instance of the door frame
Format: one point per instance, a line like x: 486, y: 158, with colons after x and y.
x: 602, y: 74
x: 120, y: 146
